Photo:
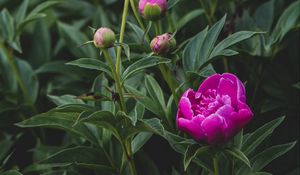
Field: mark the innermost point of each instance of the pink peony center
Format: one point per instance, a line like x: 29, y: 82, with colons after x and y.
x: 208, y: 102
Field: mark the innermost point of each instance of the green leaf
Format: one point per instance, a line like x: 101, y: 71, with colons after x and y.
x: 264, y: 158
x: 261, y: 173
x: 209, y: 42
x: 297, y: 85
x: 92, y: 159
x: 36, y: 13
x: 172, y: 3
x: 180, y: 144
x: 40, y: 53
x: 191, y: 152
x: 239, y: 155
x: 60, y: 120
x: 189, y: 17
x: 229, y: 41
x: 286, y: 22
x: 5, y: 144
x: 29, y: 80
x: 138, y: 31
x: 42, y: 7
x: 21, y: 12
x: 65, y: 99
x: 258, y: 136
x: 264, y: 15
x: 137, y: 113
x: 152, y: 125
x: 72, y: 37
x: 91, y: 63
x: 28, y: 20
x: 10, y: 79
x: 147, y: 102
x: 103, y: 119
x: 7, y: 24
x: 11, y: 172
x: 142, y: 64
x: 155, y: 91
x: 191, y: 51
x: 139, y: 141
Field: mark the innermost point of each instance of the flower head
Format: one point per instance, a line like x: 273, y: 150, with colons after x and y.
x: 153, y: 9
x: 104, y: 38
x: 216, y: 111
x: 163, y: 44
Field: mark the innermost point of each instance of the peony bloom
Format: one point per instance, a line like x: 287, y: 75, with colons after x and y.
x: 216, y: 111
x: 153, y: 9
x: 163, y: 44
x: 104, y: 38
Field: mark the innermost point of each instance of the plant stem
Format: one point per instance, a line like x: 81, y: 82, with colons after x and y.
x: 118, y: 60
x: 122, y: 31
x: 171, y: 22
x: 157, y: 28
x: 206, y: 12
x: 127, y: 145
x: 216, y: 165
x: 116, y: 78
x: 226, y: 65
x: 167, y: 75
x: 136, y: 15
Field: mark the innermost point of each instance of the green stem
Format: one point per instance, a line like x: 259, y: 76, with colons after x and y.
x: 118, y: 60
x: 216, y: 165
x: 115, y: 77
x: 226, y: 65
x: 171, y: 22
x: 122, y: 31
x: 206, y: 12
x: 136, y: 15
x: 157, y: 28
x: 167, y: 75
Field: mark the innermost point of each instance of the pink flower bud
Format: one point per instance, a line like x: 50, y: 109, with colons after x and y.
x: 153, y: 9
x: 163, y: 44
x: 216, y: 111
x: 104, y: 38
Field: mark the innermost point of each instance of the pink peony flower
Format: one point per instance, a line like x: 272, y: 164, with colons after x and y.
x: 153, y: 9
x: 216, y: 111
x: 104, y: 38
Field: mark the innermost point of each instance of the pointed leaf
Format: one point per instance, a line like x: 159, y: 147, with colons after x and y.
x: 239, y: 155
x: 191, y: 152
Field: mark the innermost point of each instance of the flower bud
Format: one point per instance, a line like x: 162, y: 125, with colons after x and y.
x: 153, y: 9
x: 163, y: 44
x: 104, y: 38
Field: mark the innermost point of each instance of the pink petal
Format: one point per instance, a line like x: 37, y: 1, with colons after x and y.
x: 191, y: 128
x: 213, y: 127
x: 241, y: 92
x: 210, y: 83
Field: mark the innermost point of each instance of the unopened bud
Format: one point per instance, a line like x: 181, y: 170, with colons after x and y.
x: 163, y: 44
x: 104, y: 38
x: 153, y: 9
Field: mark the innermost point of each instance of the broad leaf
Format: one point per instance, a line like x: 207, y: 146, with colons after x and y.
x: 92, y: 159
